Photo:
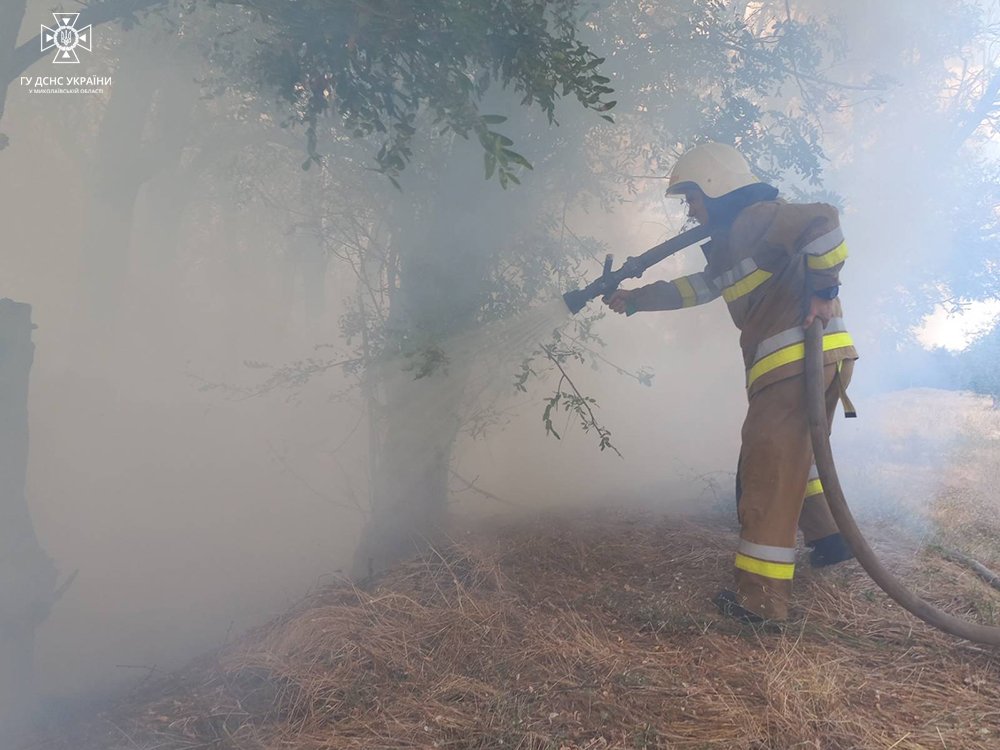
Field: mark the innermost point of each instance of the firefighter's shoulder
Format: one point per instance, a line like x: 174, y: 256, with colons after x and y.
x: 795, y: 225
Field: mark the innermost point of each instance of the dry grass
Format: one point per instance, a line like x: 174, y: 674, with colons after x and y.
x: 597, y: 634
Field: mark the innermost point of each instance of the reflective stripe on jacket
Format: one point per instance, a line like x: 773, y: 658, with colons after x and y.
x: 766, y: 267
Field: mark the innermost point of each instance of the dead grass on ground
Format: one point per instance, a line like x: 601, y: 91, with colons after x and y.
x: 598, y: 635
x: 547, y: 635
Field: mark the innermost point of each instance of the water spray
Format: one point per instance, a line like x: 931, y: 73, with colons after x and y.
x: 819, y: 429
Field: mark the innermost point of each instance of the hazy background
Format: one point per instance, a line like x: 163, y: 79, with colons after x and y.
x: 194, y: 512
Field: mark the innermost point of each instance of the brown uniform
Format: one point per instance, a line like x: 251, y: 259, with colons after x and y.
x: 766, y: 266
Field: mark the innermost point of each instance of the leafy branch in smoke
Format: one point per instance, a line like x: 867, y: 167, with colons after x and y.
x: 757, y: 75
x: 642, y: 375
x: 384, y: 69
x: 371, y: 66
x: 567, y: 397
x: 289, y: 376
x: 572, y: 400
x: 391, y: 70
x: 426, y: 361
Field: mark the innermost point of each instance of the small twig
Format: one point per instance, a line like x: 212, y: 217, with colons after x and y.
x: 444, y: 597
x: 150, y: 672
x: 124, y: 734
x: 600, y: 357
x: 65, y: 586
x: 579, y: 686
x: 471, y: 485
x: 148, y: 668
x: 592, y: 420
x: 286, y: 469
x: 974, y: 565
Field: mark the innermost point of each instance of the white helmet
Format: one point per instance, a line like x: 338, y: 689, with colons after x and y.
x: 715, y: 168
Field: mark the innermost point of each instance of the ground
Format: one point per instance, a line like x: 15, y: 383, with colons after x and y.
x: 599, y: 633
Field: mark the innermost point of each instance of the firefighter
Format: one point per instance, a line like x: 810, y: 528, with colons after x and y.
x: 776, y: 264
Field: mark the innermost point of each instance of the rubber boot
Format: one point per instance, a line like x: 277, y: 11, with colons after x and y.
x: 829, y: 550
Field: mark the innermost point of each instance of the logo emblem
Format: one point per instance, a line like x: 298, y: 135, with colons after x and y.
x: 65, y: 37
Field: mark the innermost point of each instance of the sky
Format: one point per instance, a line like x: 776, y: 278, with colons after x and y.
x: 955, y: 331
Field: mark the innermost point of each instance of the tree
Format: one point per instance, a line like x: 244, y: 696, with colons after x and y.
x: 11, y: 15
x: 692, y: 70
x: 27, y: 575
x: 374, y: 65
x: 934, y: 190
x: 415, y: 80
x: 443, y: 266
x: 977, y: 366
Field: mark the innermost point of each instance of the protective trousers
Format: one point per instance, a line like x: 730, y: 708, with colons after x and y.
x: 776, y: 474
x: 815, y: 520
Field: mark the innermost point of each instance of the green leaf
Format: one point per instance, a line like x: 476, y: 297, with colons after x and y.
x: 493, y: 119
x: 490, y: 163
x: 547, y: 416
x: 517, y: 158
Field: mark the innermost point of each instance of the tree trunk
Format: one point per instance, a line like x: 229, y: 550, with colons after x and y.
x: 441, y: 290
x: 409, y: 496
x: 11, y: 17
x: 145, y: 127
x: 172, y: 183
x: 27, y: 575
x: 120, y: 170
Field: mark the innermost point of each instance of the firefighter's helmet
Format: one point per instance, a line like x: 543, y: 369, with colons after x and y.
x: 715, y: 168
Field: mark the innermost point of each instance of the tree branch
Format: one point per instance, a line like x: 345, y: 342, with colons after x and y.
x: 583, y: 404
x: 986, y: 105
x: 953, y: 555
x: 471, y: 485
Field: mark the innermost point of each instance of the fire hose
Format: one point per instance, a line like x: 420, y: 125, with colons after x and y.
x: 819, y: 429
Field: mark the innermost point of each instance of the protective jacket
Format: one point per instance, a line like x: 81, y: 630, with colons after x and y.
x: 766, y: 266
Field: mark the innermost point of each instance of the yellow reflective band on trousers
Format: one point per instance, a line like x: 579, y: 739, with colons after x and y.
x: 794, y: 353
x: 688, y: 295
x: 828, y: 260
x: 745, y: 285
x: 815, y: 487
x: 778, y: 571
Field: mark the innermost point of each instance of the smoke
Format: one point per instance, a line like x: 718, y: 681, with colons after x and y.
x: 190, y: 513
x: 194, y: 509
x: 195, y: 505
